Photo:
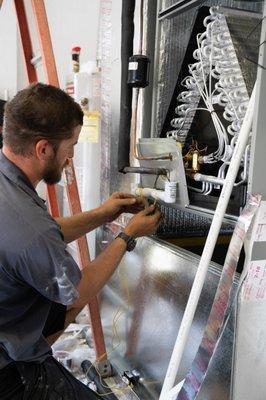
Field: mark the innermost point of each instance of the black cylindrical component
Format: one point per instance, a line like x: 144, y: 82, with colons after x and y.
x: 127, y: 36
x: 90, y: 371
x: 138, y: 71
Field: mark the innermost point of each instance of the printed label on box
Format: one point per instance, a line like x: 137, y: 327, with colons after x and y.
x: 254, y: 286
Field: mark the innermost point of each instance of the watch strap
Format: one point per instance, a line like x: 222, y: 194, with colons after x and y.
x: 130, y: 241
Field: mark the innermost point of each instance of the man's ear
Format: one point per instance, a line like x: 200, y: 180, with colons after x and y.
x: 43, y: 150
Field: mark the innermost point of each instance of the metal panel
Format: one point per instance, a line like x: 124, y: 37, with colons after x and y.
x: 250, y: 345
x: 179, y: 7
x: 155, y: 146
x: 151, y: 288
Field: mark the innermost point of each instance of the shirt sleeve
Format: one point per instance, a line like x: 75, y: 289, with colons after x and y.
x: 47, y: 266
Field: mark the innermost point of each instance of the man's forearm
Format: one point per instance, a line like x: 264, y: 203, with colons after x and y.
x: 78, y: 225
x: 97, y: 273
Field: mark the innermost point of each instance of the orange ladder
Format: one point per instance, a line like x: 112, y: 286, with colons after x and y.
x: 48, y: 61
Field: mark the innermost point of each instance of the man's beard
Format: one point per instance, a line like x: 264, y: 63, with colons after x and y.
x: 53, y: 172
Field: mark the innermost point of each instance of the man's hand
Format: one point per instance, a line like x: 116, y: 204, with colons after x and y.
x: 97, y: 273
x: 144, y: 223
x: 120, y: 203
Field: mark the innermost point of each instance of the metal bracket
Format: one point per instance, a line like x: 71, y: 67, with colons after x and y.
x: 36, y: 60
x: 104, y: 368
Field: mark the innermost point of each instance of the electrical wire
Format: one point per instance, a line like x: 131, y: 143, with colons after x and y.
x: 115, y: 336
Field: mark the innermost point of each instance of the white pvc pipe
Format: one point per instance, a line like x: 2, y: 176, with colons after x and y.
x: 208, y: 251
x: 208, y: 178
x: 168, y: 195
x: 149, y: 192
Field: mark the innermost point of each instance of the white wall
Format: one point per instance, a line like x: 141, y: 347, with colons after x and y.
x: 8, y: 49
x: 72, y: 23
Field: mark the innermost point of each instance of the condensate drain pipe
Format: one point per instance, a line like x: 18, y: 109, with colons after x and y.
x: 208, y: 251
x: 168, y: 195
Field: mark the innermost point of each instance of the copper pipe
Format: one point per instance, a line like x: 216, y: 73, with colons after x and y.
x: 134, y: 119
x: 145, y: 171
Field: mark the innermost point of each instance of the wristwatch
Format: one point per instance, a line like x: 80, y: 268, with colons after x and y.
x: 130, y: 241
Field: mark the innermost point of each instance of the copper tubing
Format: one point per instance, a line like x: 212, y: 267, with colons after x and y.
x: 145, y: 171
x: 134, y: 133
x: 134, y: 116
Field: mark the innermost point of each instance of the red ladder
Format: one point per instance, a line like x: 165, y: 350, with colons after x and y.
x: 48, y: 61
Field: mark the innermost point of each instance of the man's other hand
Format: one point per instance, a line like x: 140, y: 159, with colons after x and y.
x: 144, y: 223
x: 120, y: 203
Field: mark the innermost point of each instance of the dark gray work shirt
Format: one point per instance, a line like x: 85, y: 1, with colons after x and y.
x: 35, y: 268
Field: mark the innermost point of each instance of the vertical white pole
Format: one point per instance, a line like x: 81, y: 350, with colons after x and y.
x: 208, y: 251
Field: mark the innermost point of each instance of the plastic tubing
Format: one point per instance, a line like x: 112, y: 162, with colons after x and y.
x: 208, y: 251
x: 168, y: 195
x: 149, y: 192
x: 208, y: 178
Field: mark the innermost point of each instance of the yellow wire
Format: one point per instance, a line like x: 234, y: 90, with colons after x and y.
x: 115, y: 335
x: 119, y: 312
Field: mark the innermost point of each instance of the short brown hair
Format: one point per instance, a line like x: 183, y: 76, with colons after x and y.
x: 39, y: 112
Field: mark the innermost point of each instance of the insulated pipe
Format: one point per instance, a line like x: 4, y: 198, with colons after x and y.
x: 208, y: 178
x: 128, y: 117
x: 208, y: 251
x: 127, y: 36
x: 134, y: 119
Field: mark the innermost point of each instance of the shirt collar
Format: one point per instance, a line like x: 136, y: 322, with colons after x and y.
x: 16, y: 175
